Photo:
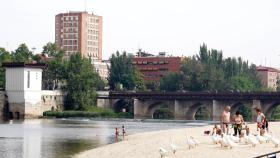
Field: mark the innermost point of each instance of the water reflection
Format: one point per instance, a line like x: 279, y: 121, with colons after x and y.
x: 62, y: 138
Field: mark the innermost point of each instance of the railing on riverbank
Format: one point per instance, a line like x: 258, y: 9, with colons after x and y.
x: 269, y: 155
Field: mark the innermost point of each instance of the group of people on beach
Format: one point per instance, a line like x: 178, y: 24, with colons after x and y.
x: 237, y: 123
x: 117, y: 134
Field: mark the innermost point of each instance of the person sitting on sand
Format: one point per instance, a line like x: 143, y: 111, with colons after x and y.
x: 116, y: 134
x: 216, y: 130
x: 225, y: 119
x: 238, y: 121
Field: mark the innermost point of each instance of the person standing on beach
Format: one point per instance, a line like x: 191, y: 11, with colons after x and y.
x: 262, y: 124
x: 123, y: 131
x: 238, y: 121
x: 225, y: 119
x: 116, y: 134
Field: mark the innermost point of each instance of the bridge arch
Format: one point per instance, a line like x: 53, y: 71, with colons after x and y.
x: 152, y: 108
x: 270, y: 109
x: 198, y: 107
x: 120, y: 104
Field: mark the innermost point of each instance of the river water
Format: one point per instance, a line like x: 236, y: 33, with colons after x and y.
x: 63, y: 138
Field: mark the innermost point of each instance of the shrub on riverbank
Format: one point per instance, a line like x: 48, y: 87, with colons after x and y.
x: 91, y: 112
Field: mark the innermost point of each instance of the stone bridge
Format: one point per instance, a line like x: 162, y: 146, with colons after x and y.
x: 184, y: 105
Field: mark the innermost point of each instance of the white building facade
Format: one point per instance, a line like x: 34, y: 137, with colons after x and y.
x: 24, y: 91
x: 102, y: 68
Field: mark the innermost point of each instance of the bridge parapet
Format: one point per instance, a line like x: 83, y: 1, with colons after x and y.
x: 184, y: 105
x: 197, y: 95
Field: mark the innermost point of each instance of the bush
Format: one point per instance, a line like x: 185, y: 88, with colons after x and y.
x: 91, y: 112
x: 66, y: 114
x: 124, y: 115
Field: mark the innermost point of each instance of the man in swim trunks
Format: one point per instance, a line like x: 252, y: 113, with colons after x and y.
x: 225, y: 119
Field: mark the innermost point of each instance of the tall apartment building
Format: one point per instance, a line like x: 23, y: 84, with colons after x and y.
x: 79, y: 32
x: 268, y: 76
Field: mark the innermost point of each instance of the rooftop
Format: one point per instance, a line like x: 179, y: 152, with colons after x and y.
x: 22, y: 64
x: 270, y: 69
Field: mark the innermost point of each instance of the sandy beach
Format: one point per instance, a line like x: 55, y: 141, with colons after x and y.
x: 146, y: 145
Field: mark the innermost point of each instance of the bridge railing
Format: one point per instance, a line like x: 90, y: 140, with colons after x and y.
x: 198, y: 95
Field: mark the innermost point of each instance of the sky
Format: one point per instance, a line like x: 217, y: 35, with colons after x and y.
x: 246, y: 28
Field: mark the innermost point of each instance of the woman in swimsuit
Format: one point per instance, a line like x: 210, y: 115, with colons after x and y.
x: 238, y: 121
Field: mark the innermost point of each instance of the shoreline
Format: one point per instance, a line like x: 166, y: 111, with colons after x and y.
x: 189, y: 122
x: 147, y: 144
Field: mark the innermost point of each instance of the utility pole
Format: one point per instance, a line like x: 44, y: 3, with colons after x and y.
x: 85, y: 5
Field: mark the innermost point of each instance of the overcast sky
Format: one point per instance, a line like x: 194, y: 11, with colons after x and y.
x: 247, y: 28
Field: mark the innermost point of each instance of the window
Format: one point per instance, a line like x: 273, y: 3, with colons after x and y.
x: 28, y: 79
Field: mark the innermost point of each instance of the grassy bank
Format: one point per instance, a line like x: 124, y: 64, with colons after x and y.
x: 91, y: 112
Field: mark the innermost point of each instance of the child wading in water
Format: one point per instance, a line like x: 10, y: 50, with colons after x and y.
x: 123, y: 131
x: 116, y: 134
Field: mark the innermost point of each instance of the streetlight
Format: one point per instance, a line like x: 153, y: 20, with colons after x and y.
x: 33, y: 50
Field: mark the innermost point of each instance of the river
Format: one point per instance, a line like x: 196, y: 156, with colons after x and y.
x: 63, y: 138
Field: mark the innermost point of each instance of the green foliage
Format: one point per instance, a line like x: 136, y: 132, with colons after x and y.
x: 170, y: 82
x: 209, y: 71
x: 152, y: 85
x: 56, y: 71
x: 275, y: 114
x: 90, y: 112
x: 242, y: 83
x: 5, y: 56
x: 67, y: 114
x: 75, y: 76
x: 139, y: 81
x: 22, y: 54
x: 81, y: 81
x: 192, y: 71
x: 123, y: 75
x: 50, y: 49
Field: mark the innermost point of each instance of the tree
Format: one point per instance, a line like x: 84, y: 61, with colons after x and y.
x: 81, y: 81
x: 5, y: 56
x: 122, y: 72
x: 242, y: 83
x: 139, y: 81
x: 191, y: 70
x: 152, y: 85
x: 22, y: 54
x: 50, y: 49
x: 211, y: 72
x: 56, y: 67
x: 55, y: 73
x: 170, y: 82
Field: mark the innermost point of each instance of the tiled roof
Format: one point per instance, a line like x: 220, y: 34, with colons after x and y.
x: 270, y: 69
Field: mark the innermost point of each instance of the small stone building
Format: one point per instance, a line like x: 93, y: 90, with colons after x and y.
x: 24, y: 93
